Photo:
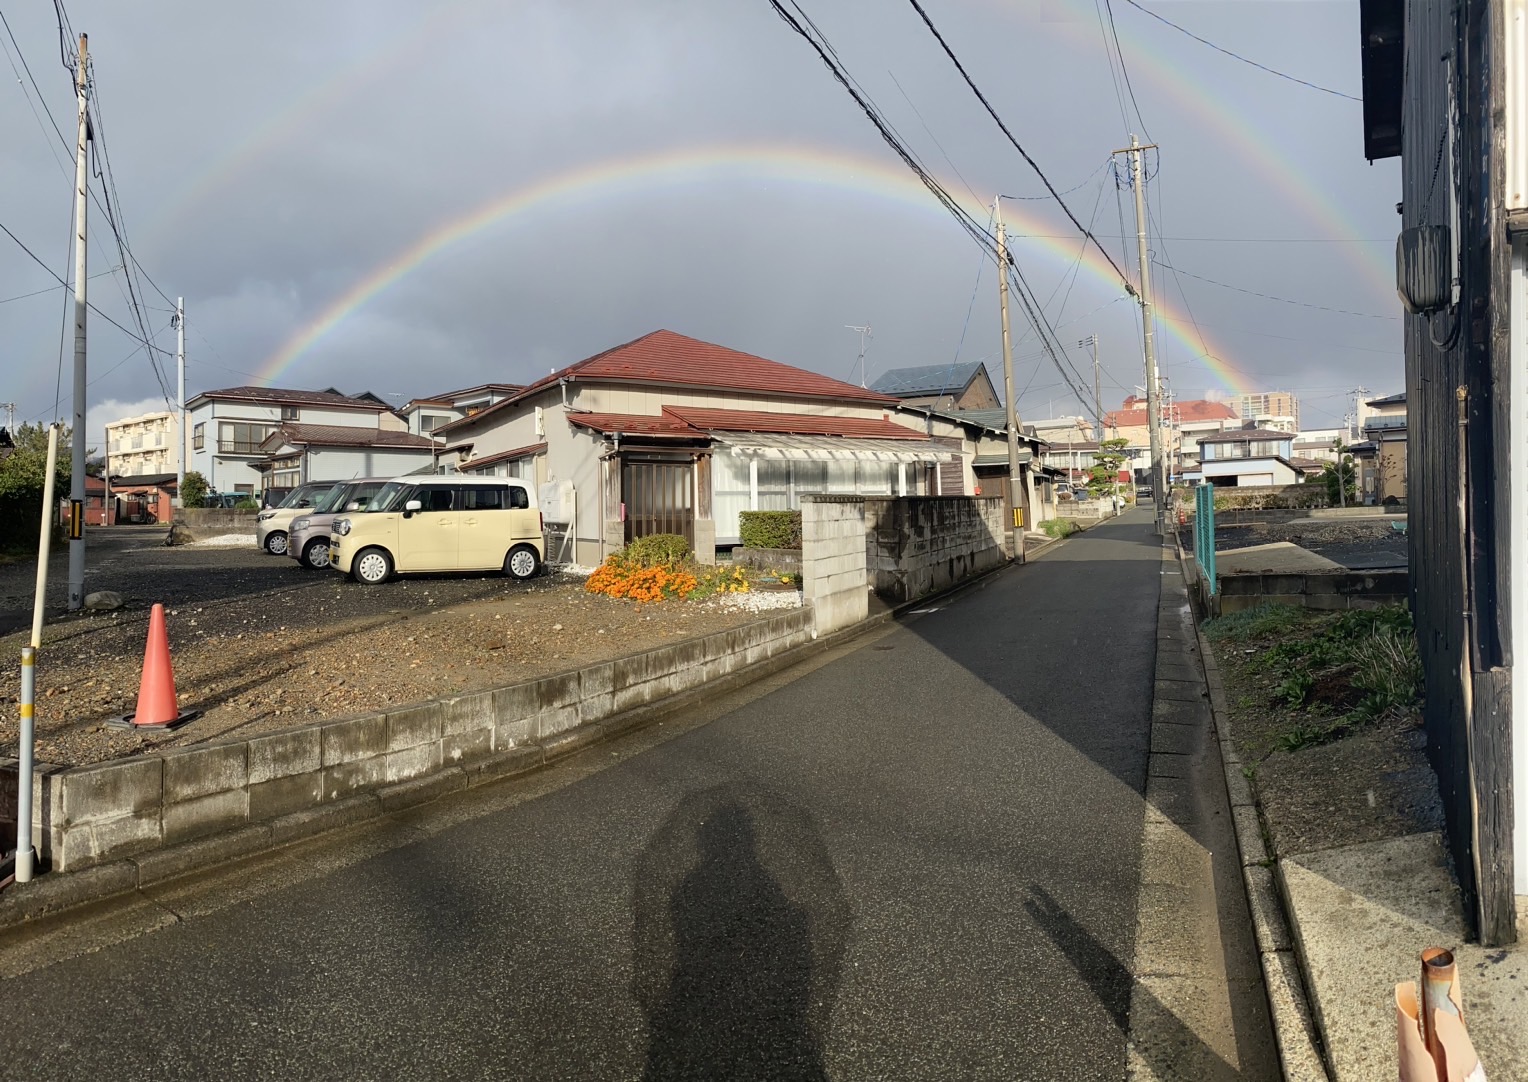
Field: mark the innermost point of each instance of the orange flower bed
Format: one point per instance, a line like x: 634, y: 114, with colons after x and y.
x: 615, y: 578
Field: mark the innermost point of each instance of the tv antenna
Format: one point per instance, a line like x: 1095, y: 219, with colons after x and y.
x: 865, y: 337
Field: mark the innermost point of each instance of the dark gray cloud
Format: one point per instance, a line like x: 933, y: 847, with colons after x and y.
x: 272, y: 156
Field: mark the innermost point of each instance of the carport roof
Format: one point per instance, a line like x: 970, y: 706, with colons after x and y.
x: 783, y: 445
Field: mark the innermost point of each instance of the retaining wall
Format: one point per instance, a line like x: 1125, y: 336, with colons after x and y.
x: 280, y: 786
x: 919, y: 545
x: 834, y: 581
x: 217, y: 518
x: 1325, y: 590
x: 785, y: 561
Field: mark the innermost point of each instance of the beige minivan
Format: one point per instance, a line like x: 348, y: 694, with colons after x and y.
x: 441, y: 524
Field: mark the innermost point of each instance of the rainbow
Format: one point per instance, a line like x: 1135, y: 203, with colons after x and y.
x: 620, y: 177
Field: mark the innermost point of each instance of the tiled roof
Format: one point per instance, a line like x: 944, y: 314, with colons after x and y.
x: 504, y: 456
x: 1236, y: 435
x: 302, y: 398
x: 632, y: 424
x: 144, y: 479
x: 667, y: 359
x: 927, y: 379
x: 1388, y: 400
x: 795, y: 424
x: 343, y: 436
x: 1193, y: 409
x: 504, y: 388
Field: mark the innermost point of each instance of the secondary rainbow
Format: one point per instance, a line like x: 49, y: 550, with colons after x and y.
x: 629, y: 177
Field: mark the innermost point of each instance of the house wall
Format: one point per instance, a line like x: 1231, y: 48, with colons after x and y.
x: 136, y: 446
x: 1250, y: 471
x: 234, y: 473
x: 344, y: 463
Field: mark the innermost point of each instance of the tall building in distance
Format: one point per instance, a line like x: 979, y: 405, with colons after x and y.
x: 142, y: 446
x: 1276, y: 410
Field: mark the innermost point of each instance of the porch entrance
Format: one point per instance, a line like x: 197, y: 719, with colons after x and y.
x: 659, y: 497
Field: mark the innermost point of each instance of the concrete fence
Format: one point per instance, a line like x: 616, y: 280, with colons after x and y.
x: 1323, y: 590
x: 833, y: 567
x: 919, y: 545
x: 276, y: 787
x: 216, y: 518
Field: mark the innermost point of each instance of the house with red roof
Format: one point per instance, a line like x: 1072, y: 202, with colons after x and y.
x: 669, y: 434
x: 1184, y: 424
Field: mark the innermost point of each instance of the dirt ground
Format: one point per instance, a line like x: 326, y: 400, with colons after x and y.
x: 273, y: 646
x: 1361, y: 543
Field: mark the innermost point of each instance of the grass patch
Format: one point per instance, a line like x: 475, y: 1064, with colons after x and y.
x: 1323, y: 675
x: 1059, y: 527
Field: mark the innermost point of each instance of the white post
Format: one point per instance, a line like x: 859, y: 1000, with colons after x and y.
x: 1518, y: 519
x: 180, y: 422
x: 753, y: 484
x: 28, y: 734
x: 77, y: 434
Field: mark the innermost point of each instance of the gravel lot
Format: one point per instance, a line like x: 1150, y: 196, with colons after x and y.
x: 259, y: 644
x: 1361, y: 543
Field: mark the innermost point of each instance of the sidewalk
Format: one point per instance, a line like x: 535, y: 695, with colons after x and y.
x: 1350, y: 902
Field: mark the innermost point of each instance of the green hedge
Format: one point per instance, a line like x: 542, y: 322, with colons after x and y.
x: 770, y: 529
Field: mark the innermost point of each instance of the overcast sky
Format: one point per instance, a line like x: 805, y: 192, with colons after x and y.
x: 571, y: 174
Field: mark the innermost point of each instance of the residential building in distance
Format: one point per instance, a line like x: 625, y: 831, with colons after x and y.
x: 1319, y: 444
x: 1279, y: 410
x: 669, y: 434
x: 423, y: 416
x: 142, y: 446
x: 941, y: 386
x: 1248, y: 456
x: 1385, y: 427
x: 1184, y: 424
x: 297, y: 452
x: 228, y: 429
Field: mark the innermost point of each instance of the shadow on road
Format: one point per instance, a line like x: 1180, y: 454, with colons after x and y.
x: 741, y: 924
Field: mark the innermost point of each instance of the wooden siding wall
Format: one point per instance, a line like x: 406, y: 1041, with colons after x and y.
x: 1453, y: 497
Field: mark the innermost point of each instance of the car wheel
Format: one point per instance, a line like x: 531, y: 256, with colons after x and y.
x: 316, y: 555
x: 522, y: 562
x: 276, y: 543
x: 372, y: 567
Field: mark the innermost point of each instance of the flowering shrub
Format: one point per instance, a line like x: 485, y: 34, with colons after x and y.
x: 630, y: 575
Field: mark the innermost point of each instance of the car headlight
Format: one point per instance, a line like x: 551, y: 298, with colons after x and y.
x: 301, y: 524
x: 265, y: 516
x: 341, y: 526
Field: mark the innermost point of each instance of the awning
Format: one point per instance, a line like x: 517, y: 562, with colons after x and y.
x: 829, y: 448
x: 1025, y: 455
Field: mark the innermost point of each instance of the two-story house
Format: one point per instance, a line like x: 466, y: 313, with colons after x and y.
x: 1248, y: 456
x: 1385, y: 427
x: 227, y: 428
x: 424, y: 415
x: 941, y: 386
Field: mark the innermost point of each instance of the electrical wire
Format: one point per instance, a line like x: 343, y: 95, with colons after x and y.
x: 1237, y: 56
x: 1124, y: 71
x: 1269, y: 296
x: 1051, y: 188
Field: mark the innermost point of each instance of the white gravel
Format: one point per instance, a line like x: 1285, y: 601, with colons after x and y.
x: 578, y: 570
x: 224, y: 541
x: 757, y: 601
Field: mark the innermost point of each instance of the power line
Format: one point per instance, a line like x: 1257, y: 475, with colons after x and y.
x: 1016, y: 144
x: 1269, y: 296
x: 1124, y: 71
x: 1238, y: 56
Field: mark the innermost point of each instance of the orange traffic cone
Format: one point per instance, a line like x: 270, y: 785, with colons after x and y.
x: 157, y: 705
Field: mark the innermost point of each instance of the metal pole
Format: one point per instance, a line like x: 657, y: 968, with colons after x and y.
x: 28, y: 734
x: 1015, y: 486
x: 77, y: 433
x: 180, y: 421
x: 1153, y: 390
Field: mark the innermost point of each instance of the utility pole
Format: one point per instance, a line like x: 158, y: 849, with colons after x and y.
x: 1153, y: 390
x: 1091, y: 343
x: 864, y: 333
x: 77, y: 433
x: 10, y: 415
x: 1015, y: 485
x: 180, y: 420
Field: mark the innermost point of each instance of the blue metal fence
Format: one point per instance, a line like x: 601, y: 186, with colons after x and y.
x: 1204, y: 534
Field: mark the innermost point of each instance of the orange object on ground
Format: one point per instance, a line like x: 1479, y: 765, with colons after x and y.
x: 157, y: 705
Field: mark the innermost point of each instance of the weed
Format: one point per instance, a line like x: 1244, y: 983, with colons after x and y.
x: 1296, y: 688
x: 1303, y: 734
x: 1058, y: 527
x: 1261, y: 622
x: 1388, y: 670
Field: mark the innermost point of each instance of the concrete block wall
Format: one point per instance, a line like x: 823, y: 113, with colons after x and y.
x: 216, y: 518
x: 918, y: 545
x: 834, y: 581
x: 1331, y: 591
x: 272, y: 784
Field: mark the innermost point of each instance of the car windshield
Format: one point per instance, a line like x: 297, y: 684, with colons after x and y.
x: 360, y: 497
x: 334, y: 500
x: 392, y: 496
x: 296, y: 497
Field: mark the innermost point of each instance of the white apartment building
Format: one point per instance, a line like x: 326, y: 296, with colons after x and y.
x: 227, y: 428
x: 141, y: 446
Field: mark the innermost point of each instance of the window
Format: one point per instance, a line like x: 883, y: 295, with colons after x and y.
x: 289, y: 413
x: 238, y: 438
x: 437, y: 497
x: 198, y: 437
x: 519, y: 498
x: 482, y: 498
x: 429, y: 422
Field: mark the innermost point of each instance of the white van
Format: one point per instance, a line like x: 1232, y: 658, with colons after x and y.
x: 441, y: 524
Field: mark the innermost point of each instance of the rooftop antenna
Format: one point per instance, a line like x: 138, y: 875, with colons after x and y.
x: 865, y: 336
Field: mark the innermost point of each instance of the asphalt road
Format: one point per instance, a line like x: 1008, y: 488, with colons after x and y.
x: 918, y: 858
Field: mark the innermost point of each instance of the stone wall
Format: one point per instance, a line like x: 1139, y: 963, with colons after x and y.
x: 276, y: 786
x: 833, y: 576
x: 919, y: 545
x: 225, y: 519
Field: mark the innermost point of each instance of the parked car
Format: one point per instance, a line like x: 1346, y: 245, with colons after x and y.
x: 224, y: 499
x: 441, y: 524
x: 273, y: 496
x: 271, y: 525
x: 308, y: 535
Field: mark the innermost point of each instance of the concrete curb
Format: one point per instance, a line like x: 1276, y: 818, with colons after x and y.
x: 56, y: 892
x: 1288, y: 1002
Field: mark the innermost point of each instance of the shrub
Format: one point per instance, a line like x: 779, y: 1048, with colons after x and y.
x: 770, y: 529
x: 193, y: 491
x: 656, y: 550
x: 1059, y: 527
x: 247, y: 504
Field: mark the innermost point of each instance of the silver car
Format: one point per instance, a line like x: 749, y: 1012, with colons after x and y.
x: 308, y: 538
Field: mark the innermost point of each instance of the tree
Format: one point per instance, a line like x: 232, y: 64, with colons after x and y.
x: 22, y: 473
x: 193, y: 490
x: 1103, y: 477
x: 1340, y: 477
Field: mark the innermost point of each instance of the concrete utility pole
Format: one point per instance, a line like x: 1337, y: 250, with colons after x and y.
x: 1091, y: 343
x: 1153, y: 390
x: 180, y: 421
x: 1015, y: 484
x: 77, y: 433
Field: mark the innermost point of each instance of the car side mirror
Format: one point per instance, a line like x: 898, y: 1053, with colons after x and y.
x: 412, y: 506
x: 354, y: 505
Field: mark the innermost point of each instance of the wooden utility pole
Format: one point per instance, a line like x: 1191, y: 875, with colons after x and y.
x: 77, y: 435
x: 1015, y: 484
